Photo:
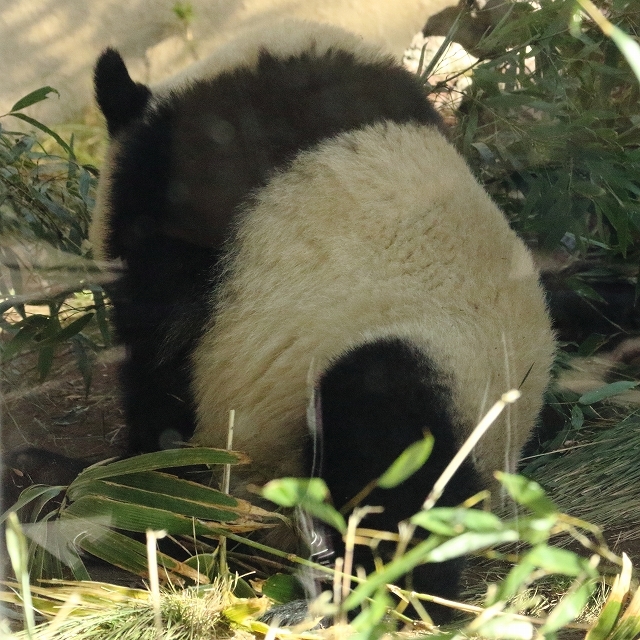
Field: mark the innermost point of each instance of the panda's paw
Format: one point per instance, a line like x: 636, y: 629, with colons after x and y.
x: 293, y: 614
x: 26, y: 467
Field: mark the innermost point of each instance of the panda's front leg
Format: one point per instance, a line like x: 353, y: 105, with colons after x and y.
x: 376, y: 400
x: 157, y: 399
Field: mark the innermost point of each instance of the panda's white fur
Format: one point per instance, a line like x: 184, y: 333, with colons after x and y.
x: 282, y: 39
x: 378, y: 232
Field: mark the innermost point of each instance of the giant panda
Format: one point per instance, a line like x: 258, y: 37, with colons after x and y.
x: 292, y: 225
x: 182, y: 162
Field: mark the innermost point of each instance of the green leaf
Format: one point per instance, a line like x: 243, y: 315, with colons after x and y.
x: 485, y: 152
x: 30, y: 327
x: 291, y: 492
x: 610, y: 613
x: 166, y: 484
x: 17, y: 550
x: 587, y: 189
x: 568, y: 609
x: 628, y: 627
x: 519, y: 576
x: 392, y: 571
x: 607, y: 391
x: 206, y: 564
x: 282, y: 588
x: 532, y: 529
x: 325, y: 512
x: 451, y: 521
x: 243, y: 589
x: 606, y: 621
x: 159, y: 460
x: 373, y: 621
x: 469, y: 542
x: 29, y: 495
x: 407, y: 463
x: 54, y: 538
x: 120, y: 550
x: 629, y: 47
x: 44, y: 128
x: 32, y: 98
x: 527, y: 493
x: 83, y: 361
x: 68, y: 331
x: 157, y: 500
x: 308, y: 494
x: 577, y: 417
x: 584, y: 290
x: 554, y: 560
x: 45, y: 361
x: 137, y: 518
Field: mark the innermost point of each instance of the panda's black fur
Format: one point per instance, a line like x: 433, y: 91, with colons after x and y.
x: 198, y: 178
x: 171, y: 247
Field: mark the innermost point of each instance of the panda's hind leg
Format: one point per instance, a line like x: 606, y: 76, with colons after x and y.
x: 375, y: 401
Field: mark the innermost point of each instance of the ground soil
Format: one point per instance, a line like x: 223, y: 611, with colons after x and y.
x: 57, y: 415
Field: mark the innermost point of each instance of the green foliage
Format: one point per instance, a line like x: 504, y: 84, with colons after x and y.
x: 108, y: 500
x: 282, y: 587
x: 43, y: 197
x: 184, y: 12
x: 409, y: 461
x: 551, y: 127
x: 45, y: 205
x: 17, y: 550
x: 607, y: 391
x: 308, y: 494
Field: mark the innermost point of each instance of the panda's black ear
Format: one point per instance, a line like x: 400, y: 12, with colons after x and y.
x: 120, y: 99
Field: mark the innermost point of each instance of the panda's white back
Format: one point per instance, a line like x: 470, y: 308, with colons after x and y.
x: 378, y: 232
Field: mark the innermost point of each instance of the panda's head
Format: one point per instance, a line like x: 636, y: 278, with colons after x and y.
x: 186, y: 155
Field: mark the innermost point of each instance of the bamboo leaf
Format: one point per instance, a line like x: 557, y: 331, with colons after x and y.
x: 68, y: 331
x: 135, y: 517
x: 560, y: 561
x: 162, y: 483
x: 34, y: 97
x: 29, y: 495
x: 29, y: 328
x: 283, y: 587
x: 527, y: 493
x: 308, y: 494
x: 407, y: 463
x: 451, y: 521
x: 33, y: 122
x: 569, y: 608
x: 613, y: 606
x: 606, y: 391
x: 291, y: 492
x: 156, y: 500
x: 159, y: 460
x: 124, y: 552
x: 469, y: 542
x: 45, y: 361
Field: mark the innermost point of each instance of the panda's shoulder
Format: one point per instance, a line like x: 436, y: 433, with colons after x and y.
x: 282, y: 39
